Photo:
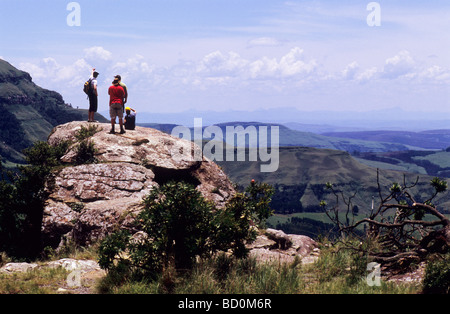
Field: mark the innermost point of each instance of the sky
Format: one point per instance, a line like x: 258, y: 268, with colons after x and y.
x: 219, y: 55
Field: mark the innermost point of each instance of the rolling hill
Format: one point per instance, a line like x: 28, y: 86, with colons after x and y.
x: 433, y: 163
x: 433, y: 139
x: 303, y: 172
x: 290, y: 137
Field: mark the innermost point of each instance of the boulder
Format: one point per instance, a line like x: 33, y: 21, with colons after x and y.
x: 69, y: 264
x: 18, y: 268
x: 275, y: 245
x: 87, y: 202
x: 141, y: 146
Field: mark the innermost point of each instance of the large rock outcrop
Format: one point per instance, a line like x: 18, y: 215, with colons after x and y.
x: 88, y: 201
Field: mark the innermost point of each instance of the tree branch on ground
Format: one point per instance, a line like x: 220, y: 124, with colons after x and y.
x: 404, y: 229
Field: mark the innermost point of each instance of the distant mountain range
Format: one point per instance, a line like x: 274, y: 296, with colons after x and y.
x: 394, y: 119
x: 352, y: 143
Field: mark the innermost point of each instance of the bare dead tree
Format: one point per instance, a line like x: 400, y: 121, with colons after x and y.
x: 404, y: 229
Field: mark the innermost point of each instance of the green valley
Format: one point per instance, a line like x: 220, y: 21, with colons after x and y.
x: 303, y: 172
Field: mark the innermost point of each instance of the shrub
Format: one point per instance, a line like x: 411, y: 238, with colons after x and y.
x: 437, y: 276
x: 85, y: 152
x: 85, y: 133
x: 85, y: 149
x: 176, y: 221
x: 235, y: 226
x: 178, y: 225
x: 22, y: 200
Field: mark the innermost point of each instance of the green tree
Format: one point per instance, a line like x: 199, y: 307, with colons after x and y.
x: 236, y: 224
x: 22, y: 199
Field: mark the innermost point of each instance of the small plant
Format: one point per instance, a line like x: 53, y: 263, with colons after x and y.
x: 85, y: 133
x: 223, y: 265
x: 85, y: 149
x: 85, y: 153
x: 437, y: 276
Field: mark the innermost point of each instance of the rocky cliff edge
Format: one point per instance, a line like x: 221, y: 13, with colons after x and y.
x: 88, y: 201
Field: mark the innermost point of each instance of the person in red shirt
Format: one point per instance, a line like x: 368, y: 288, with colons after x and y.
x: 116, y: 96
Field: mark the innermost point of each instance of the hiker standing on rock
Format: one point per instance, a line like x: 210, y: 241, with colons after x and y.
x: 125, y: 98
x: 93, y: 96
x: 116, y: 99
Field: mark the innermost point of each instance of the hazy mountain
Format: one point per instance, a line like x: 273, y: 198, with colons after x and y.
x: 29, y: 112
x: 312, y: 121
x: 289, y: 137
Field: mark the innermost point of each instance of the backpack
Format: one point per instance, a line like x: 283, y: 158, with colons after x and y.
x: 87, y: 87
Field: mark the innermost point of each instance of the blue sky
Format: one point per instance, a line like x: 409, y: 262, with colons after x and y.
x: 178, y: 55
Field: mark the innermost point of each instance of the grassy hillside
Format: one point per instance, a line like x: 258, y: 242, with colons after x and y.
x: 303, y: 172
x: 29, y: 112
x: 435, y: 139
x: 421, y: 162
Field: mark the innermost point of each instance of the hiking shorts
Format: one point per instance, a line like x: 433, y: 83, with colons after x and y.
x: 93, y: 103
x: 116, y: 110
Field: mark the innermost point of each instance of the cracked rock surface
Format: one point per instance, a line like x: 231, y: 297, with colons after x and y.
x: 86, y: 202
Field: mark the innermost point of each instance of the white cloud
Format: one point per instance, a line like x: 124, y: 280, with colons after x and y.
x: 349, y: 73
x: 218, y: 64
x: 97, y: 53
x: 229, y: 78
x: 291, y: 65
x: 367, y: 75
x: 263, y: 68
x: 436, y: 73
x: 400, y: 65
x: 55, y: 75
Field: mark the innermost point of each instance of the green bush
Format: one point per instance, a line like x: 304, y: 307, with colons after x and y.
x: 437, y: 276
x: 85, y: 133
x: 178, y: 225
x: 235, y: 226
x: 85, y: 153
x: 85, y: 149
x: 176, y: 222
